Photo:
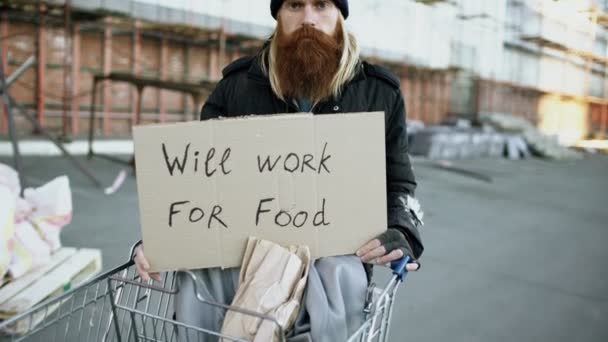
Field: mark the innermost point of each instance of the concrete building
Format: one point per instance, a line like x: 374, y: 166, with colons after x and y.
x: 541, y: 59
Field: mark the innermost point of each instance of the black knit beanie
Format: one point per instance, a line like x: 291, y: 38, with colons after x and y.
x: 341, y: 4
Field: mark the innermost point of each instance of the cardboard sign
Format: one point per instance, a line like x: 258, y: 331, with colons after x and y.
x: 205, y: 187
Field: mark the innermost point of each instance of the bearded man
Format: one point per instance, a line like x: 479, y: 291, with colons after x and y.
x: 311, y: 63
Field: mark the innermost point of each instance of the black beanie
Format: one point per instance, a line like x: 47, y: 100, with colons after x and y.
x: 341, y: 4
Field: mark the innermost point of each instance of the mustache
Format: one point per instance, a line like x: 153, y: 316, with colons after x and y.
x: 307, y: 32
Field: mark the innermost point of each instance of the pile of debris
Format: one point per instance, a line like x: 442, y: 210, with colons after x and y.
x: 501, y: 135
x: 33, y: 264
x: 445, y: 142
x: 539, y: 144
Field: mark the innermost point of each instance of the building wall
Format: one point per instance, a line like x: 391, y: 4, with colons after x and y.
x: 115, y: 101
x: 497, y: 69
x: 566, y: 119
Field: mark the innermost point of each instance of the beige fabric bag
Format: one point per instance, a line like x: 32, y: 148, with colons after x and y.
x: 272, y: 282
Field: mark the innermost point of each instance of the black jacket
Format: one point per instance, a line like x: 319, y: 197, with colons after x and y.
x: 245, y: 90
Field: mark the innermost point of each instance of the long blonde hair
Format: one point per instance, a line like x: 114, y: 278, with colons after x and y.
x: 347, y: 67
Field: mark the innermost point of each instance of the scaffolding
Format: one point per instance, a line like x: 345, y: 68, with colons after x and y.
x: 599, y: 17
x: 119, y: 43
x: 61, y: 97
x: 591, y: 61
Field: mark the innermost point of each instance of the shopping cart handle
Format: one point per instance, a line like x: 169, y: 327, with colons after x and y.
x: 398, y: 266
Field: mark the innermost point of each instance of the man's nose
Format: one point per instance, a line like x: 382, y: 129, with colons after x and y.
x: 310, y: 17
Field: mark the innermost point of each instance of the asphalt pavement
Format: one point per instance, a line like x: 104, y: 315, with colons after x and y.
x: 522, y: 258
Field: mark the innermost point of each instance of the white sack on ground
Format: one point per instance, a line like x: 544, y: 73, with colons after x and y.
x: 30, y: 250
x: 52, y: 204
x: 30, y: 226
x: 7, y: 228
x: 10, y: 180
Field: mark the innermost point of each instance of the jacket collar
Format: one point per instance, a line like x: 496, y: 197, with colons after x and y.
x: 255, y: 72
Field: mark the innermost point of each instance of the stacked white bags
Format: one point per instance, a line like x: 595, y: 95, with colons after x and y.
x: 30, y: 226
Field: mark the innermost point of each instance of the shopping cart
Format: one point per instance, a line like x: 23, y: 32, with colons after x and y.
x: 118, y: 306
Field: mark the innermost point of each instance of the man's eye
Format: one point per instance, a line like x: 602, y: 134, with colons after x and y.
x: 322, y: 4
x: 295, y: 4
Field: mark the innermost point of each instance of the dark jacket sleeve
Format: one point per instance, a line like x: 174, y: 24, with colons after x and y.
x: 215, y: 106
x: 400, y: 179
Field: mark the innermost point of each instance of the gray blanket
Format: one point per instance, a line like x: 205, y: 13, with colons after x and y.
x: 333, y: 301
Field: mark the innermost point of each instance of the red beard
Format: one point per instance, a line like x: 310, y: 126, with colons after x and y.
x: 307, y: 61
